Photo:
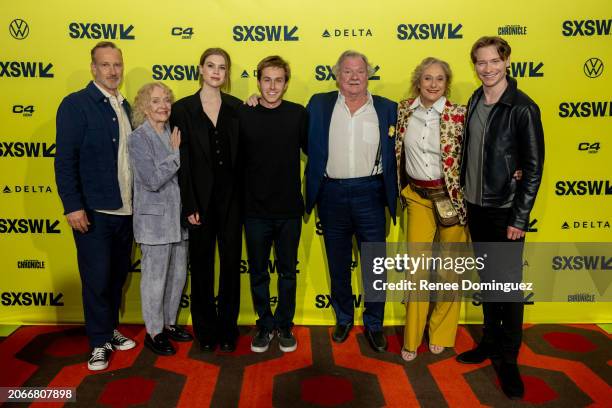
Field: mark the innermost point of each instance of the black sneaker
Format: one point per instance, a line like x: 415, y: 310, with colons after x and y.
x: 98, y: 360
x: 286, y: 340
x: 261, y: 341
x: 120, y: 342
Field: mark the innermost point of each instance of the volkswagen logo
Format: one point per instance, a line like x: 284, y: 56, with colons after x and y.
x: 19, y: 29
x: 593, y: 67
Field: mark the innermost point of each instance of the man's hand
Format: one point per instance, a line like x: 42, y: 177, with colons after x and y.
x: 78, y: 220
x: 253, y: 100
x: 194, y: 219
x: 514, y: 233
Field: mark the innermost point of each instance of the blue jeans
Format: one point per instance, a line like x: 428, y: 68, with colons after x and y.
x: 285, y: 235
x: 347, y: 208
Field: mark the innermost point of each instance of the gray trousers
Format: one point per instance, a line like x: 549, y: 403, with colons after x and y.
x: 163, y: 275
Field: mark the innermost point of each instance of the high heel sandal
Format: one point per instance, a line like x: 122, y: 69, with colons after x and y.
x: 408, y: 355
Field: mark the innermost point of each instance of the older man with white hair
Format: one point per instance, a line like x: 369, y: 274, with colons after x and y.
x: 351, y: 176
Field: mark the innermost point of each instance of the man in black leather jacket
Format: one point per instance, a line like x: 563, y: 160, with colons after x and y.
x: 503, y: 134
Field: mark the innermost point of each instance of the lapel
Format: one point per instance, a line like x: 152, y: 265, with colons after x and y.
x: 328, y: 108
x: 156, y: 141
x: 233, y: 126
x: 200, y: 124
x: 382, y: 123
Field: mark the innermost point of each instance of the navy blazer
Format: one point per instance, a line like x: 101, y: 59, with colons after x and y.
x: 87, y: 145
x: 320, y: 108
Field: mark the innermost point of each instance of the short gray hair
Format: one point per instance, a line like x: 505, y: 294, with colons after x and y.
x: 352, y: 54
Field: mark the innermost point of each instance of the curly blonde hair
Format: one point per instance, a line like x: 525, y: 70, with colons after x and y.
x: 418, y: 73
x: 143, y: 99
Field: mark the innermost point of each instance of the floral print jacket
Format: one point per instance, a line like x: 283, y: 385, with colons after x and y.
x: 451, y: 136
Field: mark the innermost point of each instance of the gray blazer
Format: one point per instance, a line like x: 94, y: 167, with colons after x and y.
x: 157, y: 198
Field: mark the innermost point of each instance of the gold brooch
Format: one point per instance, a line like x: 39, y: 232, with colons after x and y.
x: 391, y: 131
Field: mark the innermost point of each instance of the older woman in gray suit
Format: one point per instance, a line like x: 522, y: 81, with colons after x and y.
x: 154, y: 154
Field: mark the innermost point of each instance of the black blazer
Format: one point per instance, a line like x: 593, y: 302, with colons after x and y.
x: 196, y: 175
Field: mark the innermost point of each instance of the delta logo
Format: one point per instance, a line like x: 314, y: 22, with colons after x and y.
x: 585, y: 109
x: 162, y: 72
x: 347, y: 32
x: 435, y: 31
x: 325, y: 73
x: 528, y: 69
x: 26, y: 69
x: 586, y: 224
x: 29, y: 226
x: 26, y: 189
x: 27, y: 149
x: 588, y: 28
x: 261, y: 33
x: 100, y: 31
x: 583, y: 187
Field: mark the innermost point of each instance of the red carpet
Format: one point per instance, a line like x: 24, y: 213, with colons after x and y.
x: 562, y: 365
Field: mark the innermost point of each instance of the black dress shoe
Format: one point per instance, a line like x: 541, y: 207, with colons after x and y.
x: 377, y: 340
x: 511, y: 381
x: 476, y: 355
x: 341, y: 332
x: 227, y: 346
x: 207, y: 344
x: 159, y: 344
x: 177, y: 333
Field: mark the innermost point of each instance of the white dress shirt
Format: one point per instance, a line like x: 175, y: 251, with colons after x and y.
x: 124, y: 171
x: 422, y: 141
x: 353, y: 141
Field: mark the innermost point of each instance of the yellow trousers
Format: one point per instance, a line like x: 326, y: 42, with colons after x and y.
x: 443, y: 321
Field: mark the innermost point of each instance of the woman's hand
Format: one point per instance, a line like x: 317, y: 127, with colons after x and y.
x: 175, y: 138
x: 253, y: 100
x: 194, y: 219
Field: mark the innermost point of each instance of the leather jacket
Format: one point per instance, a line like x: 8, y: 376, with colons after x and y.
x: 514, y: 139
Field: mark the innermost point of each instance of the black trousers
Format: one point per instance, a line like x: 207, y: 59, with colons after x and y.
x: 503, y: 321
x: 103, y: 254
x: 216, y: 319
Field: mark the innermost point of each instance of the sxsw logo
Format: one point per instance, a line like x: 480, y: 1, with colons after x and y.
x: 27, y: 149
x: 443, y: 31
x: 589, y: 147
x: 585, y: 109
x: 31, y: 299
x: 24, y: 110
x: 175, y: 72
x: 28, y: 226
x: 583, y: 187
x: 265, y: 33
x: 325, y: 73
x: 183, y: 32
x: 593, y: 67
x: 573, y: 28
x: 577, y: 263
x: 19, y: 29
x: 593, y: 224
x: 323, y: 301
x: 25, y: 69
x: 30, y: 264
x: 97, y: 31
x: 347, y: 32
x: 272, y: 266
x: 526, y: 69
x: 512, y: 30
x: 26, y: 189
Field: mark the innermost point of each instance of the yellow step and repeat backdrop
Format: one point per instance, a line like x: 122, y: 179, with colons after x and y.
x: 562, y: 57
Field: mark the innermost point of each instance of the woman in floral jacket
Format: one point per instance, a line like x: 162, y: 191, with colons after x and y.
x: 428, y: 152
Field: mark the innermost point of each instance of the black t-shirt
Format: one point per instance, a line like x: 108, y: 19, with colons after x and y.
x: 271, y: 140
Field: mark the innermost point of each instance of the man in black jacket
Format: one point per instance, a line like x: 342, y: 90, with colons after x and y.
x: 503, y: 134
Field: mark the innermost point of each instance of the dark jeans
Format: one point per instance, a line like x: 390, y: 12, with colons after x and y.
x: 347, y: 208
x: 503, y: 321
x: 285, y: 235
x: 103, y: 254
x: 216, y: 319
